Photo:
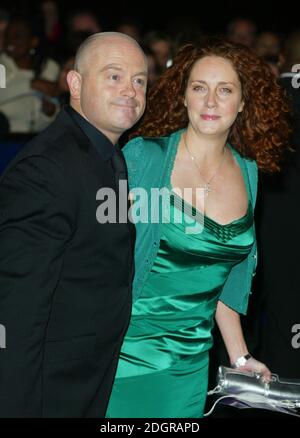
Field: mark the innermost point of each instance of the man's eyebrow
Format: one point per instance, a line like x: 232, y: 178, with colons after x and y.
x: 118, y: 67
x: 111, y: 66
x: 141, y: 73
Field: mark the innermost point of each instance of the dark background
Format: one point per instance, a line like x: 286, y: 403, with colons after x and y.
x: 212, y: 16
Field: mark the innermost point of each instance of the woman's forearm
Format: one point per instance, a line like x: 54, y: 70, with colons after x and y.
x: 229, y: 324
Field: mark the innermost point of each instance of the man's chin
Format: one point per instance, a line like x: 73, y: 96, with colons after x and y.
x: 127, y: 124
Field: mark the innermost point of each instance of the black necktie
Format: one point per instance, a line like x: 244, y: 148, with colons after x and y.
x: 120, y: 169
x: 119, y: 165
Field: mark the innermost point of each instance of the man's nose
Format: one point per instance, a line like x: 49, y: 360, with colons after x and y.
x: 129, y: 89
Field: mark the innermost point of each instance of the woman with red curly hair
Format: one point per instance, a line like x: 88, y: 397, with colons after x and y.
x: 212, y: 118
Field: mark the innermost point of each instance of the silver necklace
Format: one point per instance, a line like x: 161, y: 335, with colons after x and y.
x: 207, y: 185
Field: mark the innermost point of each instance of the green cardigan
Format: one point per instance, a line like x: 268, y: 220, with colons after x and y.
x: 150, y: 162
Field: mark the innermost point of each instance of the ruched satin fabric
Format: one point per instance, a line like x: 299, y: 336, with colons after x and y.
x: 163, y: 366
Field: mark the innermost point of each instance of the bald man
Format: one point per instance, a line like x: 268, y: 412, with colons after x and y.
x: 66, y: 268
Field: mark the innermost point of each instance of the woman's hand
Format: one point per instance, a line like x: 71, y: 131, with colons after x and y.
x: 229, y: 324
x: 253, y: 365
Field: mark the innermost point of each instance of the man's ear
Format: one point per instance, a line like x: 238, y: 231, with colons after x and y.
x: 74, y: 83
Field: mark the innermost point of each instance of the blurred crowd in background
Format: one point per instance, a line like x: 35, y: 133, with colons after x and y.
x: 37, y: 48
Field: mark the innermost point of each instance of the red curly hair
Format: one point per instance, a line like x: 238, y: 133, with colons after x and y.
x: 260, y: 132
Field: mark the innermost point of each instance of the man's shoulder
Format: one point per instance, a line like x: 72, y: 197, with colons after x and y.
x: 60, y: 130
x: 55, y: 144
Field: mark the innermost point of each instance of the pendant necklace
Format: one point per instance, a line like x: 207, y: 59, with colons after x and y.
x: 207, y: 185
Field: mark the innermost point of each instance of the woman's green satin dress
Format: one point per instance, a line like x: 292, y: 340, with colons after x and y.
x: 163, y: 366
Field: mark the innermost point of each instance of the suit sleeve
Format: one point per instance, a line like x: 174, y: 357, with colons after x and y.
x: 35, y: 227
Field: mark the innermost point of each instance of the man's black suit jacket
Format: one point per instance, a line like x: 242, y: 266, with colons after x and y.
x: 65, y: 279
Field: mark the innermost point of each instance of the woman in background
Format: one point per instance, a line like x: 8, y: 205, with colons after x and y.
x: 30, y: 79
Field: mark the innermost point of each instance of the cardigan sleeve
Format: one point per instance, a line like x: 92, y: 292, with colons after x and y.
x: 237, y: 288
x: 135, y: 160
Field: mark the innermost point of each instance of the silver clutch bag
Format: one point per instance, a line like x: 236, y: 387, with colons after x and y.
x: 249, y: 390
